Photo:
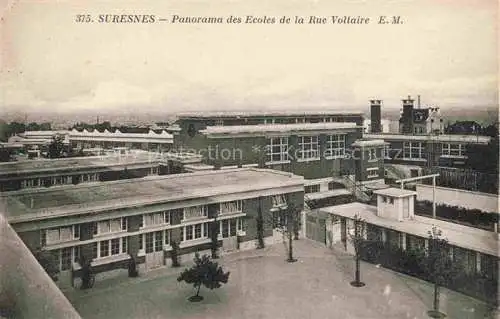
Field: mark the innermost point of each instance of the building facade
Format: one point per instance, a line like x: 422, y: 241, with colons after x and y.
x: 111, y: 223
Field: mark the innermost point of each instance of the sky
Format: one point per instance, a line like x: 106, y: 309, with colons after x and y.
x: 446, y: 51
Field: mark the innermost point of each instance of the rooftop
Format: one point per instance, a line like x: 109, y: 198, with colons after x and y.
x: 76, y: 199
x: 40, y: 165
x: 278, y: 128
x: 262, y: 114
x: 451, y: 138
x: 394, y: 192
x: 457, y: 235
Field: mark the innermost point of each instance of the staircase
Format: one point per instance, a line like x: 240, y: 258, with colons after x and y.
x: 356, y: 189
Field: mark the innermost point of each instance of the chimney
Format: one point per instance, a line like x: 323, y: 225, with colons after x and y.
x: 407, y: 117
x: 375, y: 116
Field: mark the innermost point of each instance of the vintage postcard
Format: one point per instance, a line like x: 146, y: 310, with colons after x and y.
x: 249, y: 159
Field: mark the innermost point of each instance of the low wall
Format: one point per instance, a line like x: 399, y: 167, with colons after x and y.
x: 459, y: 197
x: 25, y: 288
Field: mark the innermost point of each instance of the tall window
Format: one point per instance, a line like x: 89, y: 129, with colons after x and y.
x: 277, y: 149
x: 231, y: 207
x: 308, y: 147
x: 335, y: 146
x: 195, y: 212
x: 65, y: 257
x: 413, y: 150
x: 453, y: 149
x: 230, y: 227
x: 154, y: 241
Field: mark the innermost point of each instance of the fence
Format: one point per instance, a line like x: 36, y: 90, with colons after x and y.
x: 464, y: 179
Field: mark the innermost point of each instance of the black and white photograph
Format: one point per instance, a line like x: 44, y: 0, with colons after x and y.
x: 249, y: 159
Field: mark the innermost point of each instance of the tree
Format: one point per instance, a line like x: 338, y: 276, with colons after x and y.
x: 260, y: 227
x: 439, y: 266
x: 56, y: 147
x: 204, y: 272
x: 287, y: 222
x: 48, y: 262
x: 214, y: 236
x: 358, y: 241
x: 174, y: 254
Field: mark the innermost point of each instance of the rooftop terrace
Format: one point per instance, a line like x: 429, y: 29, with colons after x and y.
x: 75, y: 199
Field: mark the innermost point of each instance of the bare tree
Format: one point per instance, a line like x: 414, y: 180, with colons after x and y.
x: 438, y: 265
x: 358, y: 240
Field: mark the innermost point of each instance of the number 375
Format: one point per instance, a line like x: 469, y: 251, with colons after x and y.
x: 83, y: 18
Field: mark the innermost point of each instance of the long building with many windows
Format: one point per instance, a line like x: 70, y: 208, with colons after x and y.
x: 114, y: 222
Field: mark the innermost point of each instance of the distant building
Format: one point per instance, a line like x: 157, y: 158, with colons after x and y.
x: 40, y: 174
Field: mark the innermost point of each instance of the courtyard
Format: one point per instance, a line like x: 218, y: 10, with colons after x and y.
x: 263, y: 285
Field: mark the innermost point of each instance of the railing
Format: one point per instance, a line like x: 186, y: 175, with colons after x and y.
x: 356, y: 189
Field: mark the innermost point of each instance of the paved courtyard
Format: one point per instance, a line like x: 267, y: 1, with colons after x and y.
x: 263, y: 285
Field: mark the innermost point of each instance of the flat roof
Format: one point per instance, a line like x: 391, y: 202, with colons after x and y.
x: 44, y: 165
x: 59, y: 201
x: 278, y: 128
x: 456, y: 234
x: 263, y: 114
x: 394, y: 192
x: 446, y: 138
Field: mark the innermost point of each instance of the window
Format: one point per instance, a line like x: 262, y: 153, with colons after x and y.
x: 413, y: 150
x: 335, y: 146
x: 453, y: 149
x: 153, y: 171
x: 115, y: 246
x: 311, y: 189
x: 195, y: 212
x: 230, y: 227
x: 110, y: 247
x: 192, y: 232
x: 61, y: 180
x: 279, y: 200
x: 111, y: 226
x: 66, y: 256
x: 104, y: 248
x: 219, y: 122
x: 372, y: 154
x: 153, y: 219
x: 384, y: 199
x: 158, y: 241
x: 60, y: 234
x: 308, y: 147
x: 231, y: 207
x: 189, y: 232
x: 372, y: 172
x: 30, y: 183
x: 277, y: 149
x: 391, y: 200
